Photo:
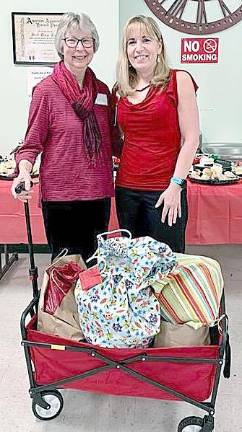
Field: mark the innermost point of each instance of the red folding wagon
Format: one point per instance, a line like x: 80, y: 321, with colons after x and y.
x: 189, y: 374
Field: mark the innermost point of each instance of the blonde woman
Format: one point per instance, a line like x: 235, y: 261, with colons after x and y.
x: 157, y: 113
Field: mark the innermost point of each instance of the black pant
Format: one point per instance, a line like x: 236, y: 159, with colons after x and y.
x: 136, y: 212
x: 75, y: 224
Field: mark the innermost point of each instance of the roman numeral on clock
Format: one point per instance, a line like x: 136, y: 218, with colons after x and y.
x: 201, y: 12
x: 224, y: 8
x: 177, y: 8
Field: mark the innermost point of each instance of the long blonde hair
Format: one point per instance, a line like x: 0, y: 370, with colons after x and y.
x: 126, y: 74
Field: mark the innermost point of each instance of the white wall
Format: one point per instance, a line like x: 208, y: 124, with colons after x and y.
x: 13, y: 83
x: 220, y: 85
x: 220, y: 89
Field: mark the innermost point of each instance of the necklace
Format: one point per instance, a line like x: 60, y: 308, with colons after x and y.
x: 144, y: 88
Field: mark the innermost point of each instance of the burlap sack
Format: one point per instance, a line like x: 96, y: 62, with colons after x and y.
x: 65, y: 320
x: 181, y: 335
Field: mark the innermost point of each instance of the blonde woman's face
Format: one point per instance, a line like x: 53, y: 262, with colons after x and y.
x: 142, y: 49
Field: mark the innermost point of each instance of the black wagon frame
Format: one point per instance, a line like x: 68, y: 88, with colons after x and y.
x: 42, y: 406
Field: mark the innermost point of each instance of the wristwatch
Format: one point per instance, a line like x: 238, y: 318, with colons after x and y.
x: 179, y: 181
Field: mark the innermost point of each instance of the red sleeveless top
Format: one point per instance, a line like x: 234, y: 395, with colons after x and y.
x: 152, y: 139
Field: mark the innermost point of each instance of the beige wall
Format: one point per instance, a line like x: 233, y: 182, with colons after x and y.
x: 13, y: 83
x: 220, y: 88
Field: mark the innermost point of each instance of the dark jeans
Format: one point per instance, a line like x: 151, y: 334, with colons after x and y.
x: 75, y: 224
x: 136, y: 212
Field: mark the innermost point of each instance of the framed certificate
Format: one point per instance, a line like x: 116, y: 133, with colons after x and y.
x: 33, y: 37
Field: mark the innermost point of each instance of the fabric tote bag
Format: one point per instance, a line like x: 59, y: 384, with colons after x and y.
x: 116, y: 305
x: 191, y: 293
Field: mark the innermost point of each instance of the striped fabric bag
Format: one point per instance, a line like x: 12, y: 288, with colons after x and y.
x: 191, y: 293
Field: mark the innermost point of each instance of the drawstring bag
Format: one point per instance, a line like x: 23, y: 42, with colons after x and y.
x: 116, y: 305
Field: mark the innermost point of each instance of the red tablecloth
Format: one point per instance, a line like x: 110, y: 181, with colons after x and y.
x: 215, y: 215
x: 12, y: 219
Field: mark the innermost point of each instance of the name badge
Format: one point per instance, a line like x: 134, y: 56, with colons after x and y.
x: 101, y: 99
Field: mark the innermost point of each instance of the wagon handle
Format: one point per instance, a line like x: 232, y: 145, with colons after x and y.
x: 33, y: 271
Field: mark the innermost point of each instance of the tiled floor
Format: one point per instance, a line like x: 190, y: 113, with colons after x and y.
x: 99, y: 413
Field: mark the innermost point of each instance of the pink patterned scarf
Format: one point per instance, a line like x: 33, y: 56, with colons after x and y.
x: 82, y: 101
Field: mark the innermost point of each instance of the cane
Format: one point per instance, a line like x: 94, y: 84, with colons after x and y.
x: 33, y: 271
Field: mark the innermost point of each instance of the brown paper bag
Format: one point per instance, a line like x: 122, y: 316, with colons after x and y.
x: 181, y: 335
x: 65, y: 320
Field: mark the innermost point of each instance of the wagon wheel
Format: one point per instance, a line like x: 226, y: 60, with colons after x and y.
x: 191, y: 424
x: 197, y: 424
x: 47, y: 405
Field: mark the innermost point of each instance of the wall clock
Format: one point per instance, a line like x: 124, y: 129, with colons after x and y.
x: 198, y: 17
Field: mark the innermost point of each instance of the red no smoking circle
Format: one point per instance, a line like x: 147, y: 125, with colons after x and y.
x: 210, y: 45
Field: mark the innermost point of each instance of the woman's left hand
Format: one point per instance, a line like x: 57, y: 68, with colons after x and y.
x: 171, y: 199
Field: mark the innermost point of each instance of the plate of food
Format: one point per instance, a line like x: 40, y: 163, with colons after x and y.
x: 215, y: 182
x: 214, y: 176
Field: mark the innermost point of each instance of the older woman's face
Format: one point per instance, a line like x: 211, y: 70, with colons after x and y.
x: 78, y: 49
x: 142, y: 49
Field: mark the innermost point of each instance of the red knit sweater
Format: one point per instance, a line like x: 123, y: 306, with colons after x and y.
x: 55, y: 130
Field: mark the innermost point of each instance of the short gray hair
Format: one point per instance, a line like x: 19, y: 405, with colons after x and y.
x: 71, y: 20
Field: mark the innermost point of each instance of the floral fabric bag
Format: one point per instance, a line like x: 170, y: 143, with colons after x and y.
x: 116, y: 305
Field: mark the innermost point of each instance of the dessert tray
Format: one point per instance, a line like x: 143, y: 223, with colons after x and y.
x: 214, y: 175
x: 216, y: 182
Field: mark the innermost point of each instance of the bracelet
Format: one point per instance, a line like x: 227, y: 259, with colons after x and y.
x: 179, y: 181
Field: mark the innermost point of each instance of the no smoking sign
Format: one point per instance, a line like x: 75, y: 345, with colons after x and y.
x: 199, y: 50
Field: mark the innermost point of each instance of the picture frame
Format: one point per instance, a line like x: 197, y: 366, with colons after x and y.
x: 33, y: 36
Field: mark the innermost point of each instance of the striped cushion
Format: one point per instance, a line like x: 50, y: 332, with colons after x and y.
x: 191, y: 293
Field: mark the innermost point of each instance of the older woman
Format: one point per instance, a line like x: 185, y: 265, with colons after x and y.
x: 70, y: 124
x: 158, y: 115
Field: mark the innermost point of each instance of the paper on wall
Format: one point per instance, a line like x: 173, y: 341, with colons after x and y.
x: 35, y: 75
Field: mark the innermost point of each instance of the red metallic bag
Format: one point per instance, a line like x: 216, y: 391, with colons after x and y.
x: 57, y: 311
x: 61, y: 280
